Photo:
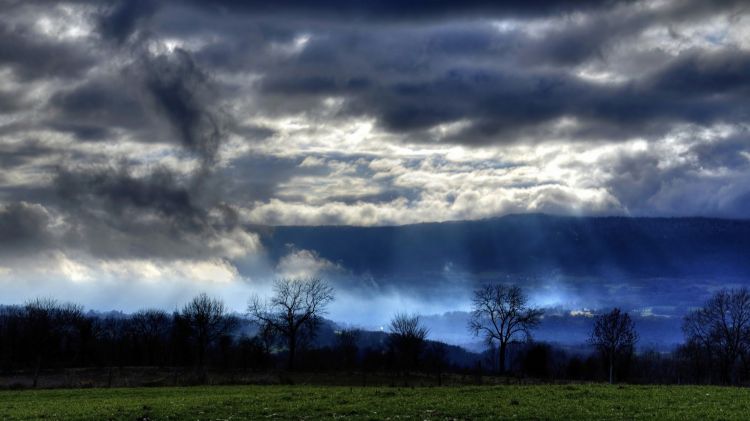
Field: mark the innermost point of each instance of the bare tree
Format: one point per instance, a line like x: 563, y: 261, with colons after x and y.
x: 722, y: 327
x: 500, y: 313
x: 407, y: 338
x: 208, y: 320
x: 346, y: 345
x: 613, y: 335
x: 47, y: 321
x: 151, y: 327
x: 293, y: 311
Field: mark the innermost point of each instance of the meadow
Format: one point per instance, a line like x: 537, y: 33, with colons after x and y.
x: 573, y: 401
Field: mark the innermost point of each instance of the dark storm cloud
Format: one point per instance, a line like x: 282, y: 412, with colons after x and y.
x: 381, y: 49
x: 83, y: 132
x: 15, y: 155
x: 23, y: 228
x: 391, y: 10
x: 100, y: 102
x: 380, y: 12
x: 111, y: 213
x: 698, y: 73
x: 166, y: 90
x: 10, y: 102
x: 114, y: 213
x: 120, y: 192
x: 725, y: 153
x: 32, y: 56
x: 416, y: 78
x: 121, y: 19
x: 409, y: 81
x: 182, y: 93
x: 501, y: 103
x: 690, y: 9
x: 179, y: 90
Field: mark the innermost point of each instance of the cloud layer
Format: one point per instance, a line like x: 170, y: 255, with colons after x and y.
x: 162, y: 132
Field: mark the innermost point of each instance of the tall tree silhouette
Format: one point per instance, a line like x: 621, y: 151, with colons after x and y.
x: 293, y: 311
x: 47, y: 321
x: 614, y: 336
x: 208, y: 320
x: 151, y: 328
x: 500, y: 313
x: 407, y: 339
x: 722, y: 327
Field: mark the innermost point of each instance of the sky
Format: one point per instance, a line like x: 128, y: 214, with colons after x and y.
x: 144, y: 144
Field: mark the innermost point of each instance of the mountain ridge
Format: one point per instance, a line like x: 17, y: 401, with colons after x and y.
x: 532, y: 244
x: 500, y: 217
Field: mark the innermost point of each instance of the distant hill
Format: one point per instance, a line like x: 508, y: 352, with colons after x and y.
x: 326, y: 336
x: 532, y: 244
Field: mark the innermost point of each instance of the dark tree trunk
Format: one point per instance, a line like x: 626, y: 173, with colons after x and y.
x: 37, y: 368
x: 501, y: 357
x: 151, y: 353
x: 201, y: 352
x: 726, y: 370
x: 292, y: 350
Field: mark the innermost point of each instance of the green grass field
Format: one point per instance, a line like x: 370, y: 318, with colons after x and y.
x: 318, y: 402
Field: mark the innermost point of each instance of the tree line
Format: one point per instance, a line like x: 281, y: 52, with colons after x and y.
x: 282, y: 332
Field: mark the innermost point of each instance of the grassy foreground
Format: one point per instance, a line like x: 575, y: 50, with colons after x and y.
x: 316, y: 402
